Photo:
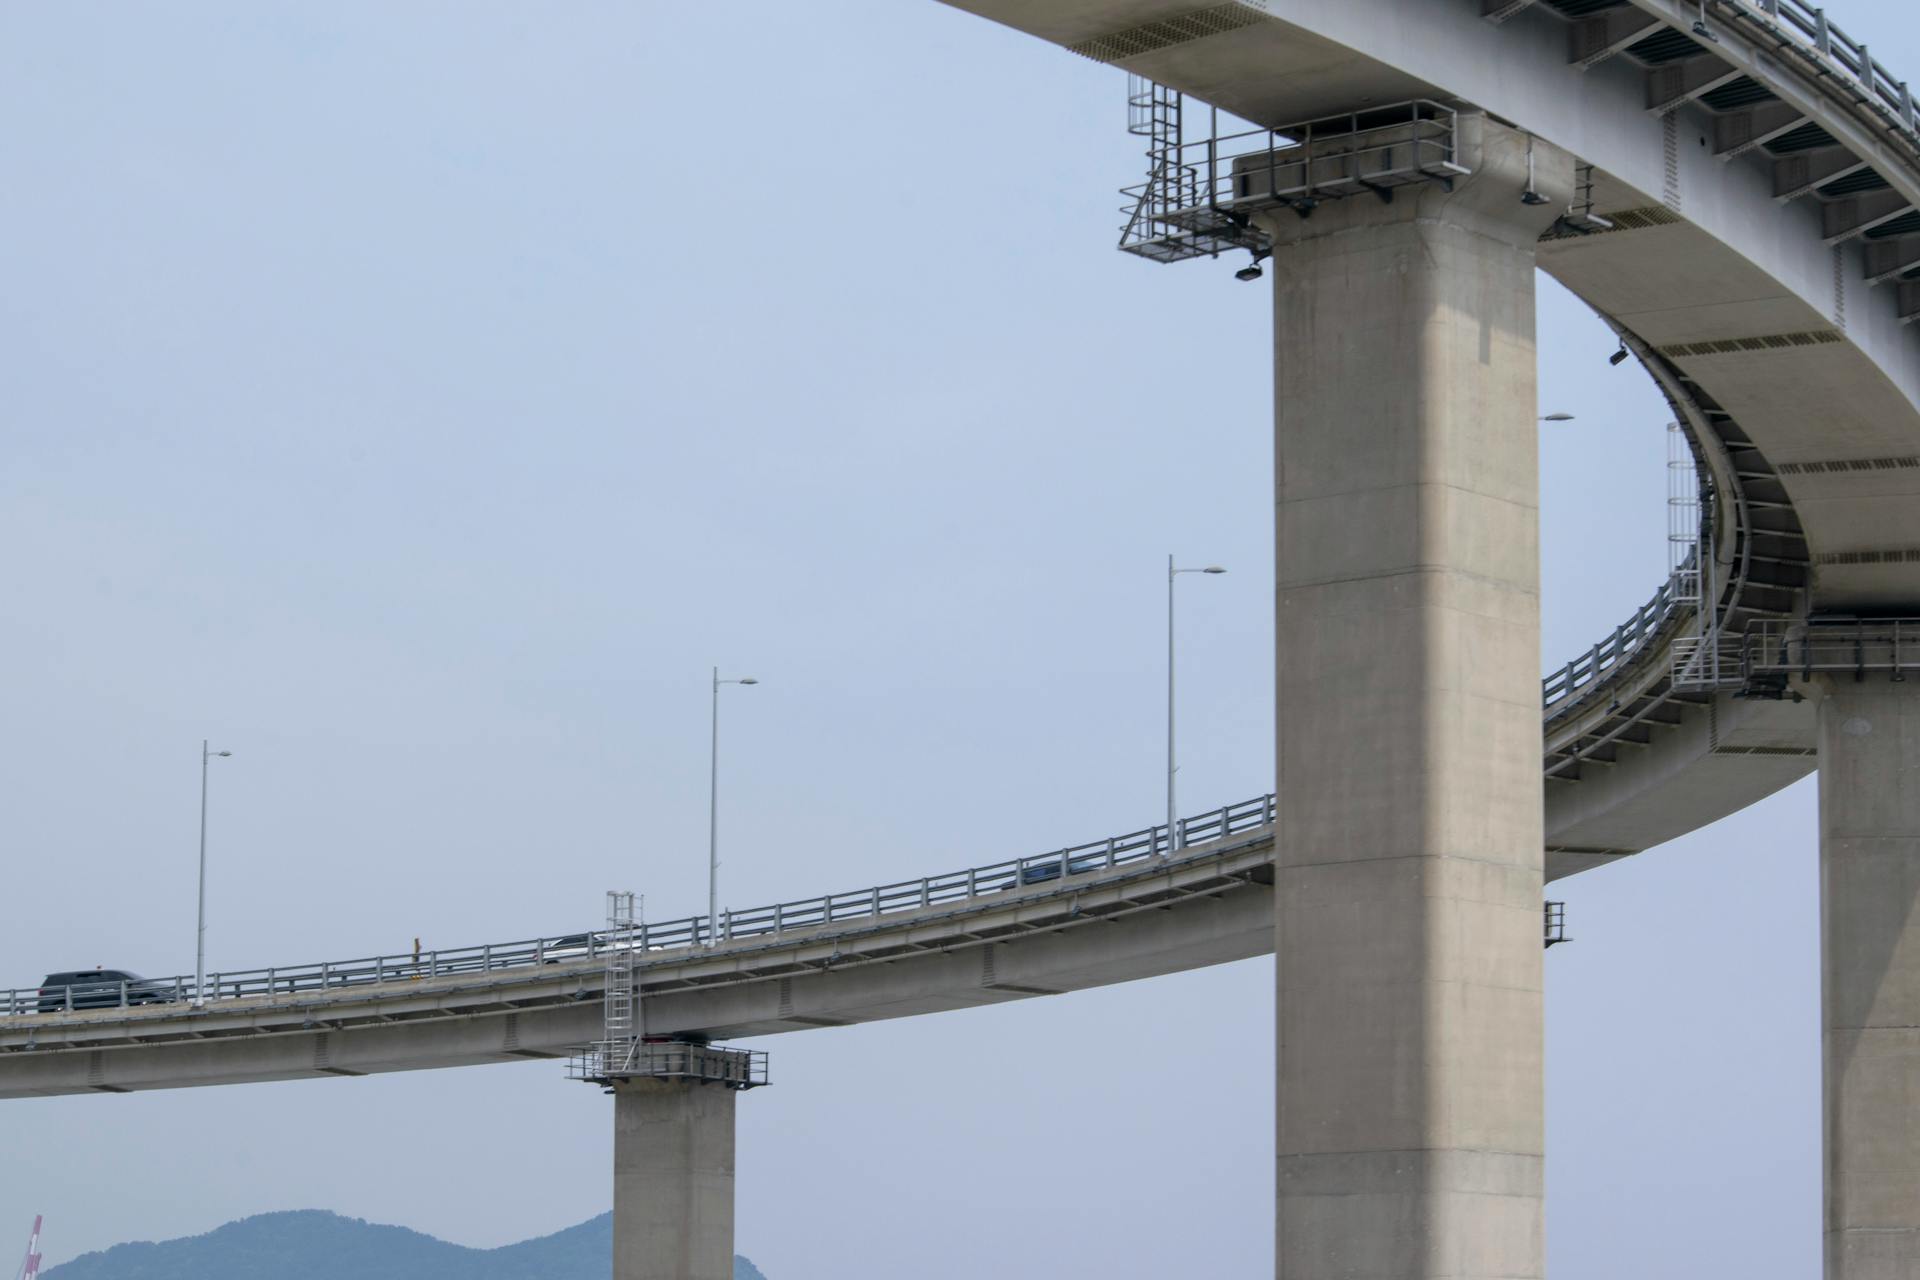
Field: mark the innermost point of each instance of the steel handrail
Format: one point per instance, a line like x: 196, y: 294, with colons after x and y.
x: 1209, y: 174
x: 1806, y: 29
x: 1625, y: 642
x: 901, y: 897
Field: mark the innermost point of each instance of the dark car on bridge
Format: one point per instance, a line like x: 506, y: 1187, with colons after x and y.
x: 101, y: 989
x: 1040, y: 870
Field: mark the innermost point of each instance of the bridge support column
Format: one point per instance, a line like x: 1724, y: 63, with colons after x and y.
x: 1870, y: 951
x: 1409, y: 859
x: 673, y: 1114
x: 672, y: 1181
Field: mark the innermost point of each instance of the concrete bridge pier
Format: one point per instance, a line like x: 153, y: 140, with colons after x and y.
x: 1870, y: 999
x: 1409, y: 865
x: 673, y: 1131
x: 672, y: 1180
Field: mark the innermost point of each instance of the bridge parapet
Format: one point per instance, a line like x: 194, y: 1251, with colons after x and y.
x: 897, y: 900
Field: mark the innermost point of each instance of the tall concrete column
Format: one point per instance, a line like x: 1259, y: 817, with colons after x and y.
x: 1870, y: 951
x: 672, y: 1180
x: 1409, y: 861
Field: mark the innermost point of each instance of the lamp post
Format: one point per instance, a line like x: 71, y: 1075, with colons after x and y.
x: 200, y: 933
x: 1173, y: 838
x: 713, y: 814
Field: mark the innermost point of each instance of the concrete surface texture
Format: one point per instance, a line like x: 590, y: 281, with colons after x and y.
x: 1408, y: 866
x: 1870, y: 952
x: 672, y: 1181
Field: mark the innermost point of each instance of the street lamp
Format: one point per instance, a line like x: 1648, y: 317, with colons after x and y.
x: 1558, y: 417
x: 1173, y: 841
x: 200, y: 933
x: 713, y: 814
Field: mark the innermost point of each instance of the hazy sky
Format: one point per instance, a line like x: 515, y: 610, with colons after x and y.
x: 418, y: 399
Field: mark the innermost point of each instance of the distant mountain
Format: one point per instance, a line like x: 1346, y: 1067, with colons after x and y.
x: 313, y: 1245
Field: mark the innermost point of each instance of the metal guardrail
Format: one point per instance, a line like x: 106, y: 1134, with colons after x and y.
x: 1555, y: 924
x: 610, y: 1061
x: 1626, y: 642
x: 1835, y: 58
x: 1199, y: 196
x: 1779, y: 649
x: 903, y: 897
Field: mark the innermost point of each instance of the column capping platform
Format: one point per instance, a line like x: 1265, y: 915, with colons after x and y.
x: 610, y: 1063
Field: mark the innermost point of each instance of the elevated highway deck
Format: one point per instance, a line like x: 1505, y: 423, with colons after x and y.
x: 1734, y: 187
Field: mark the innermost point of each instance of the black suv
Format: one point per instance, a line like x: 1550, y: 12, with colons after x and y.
x: 100, y: 989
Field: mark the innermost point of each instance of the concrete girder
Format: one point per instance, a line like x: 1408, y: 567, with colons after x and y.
x: 1675, y: 83
x: 1591, y: 41
x: 1839, y: 107
x: 1498, y: 11
x: 1738, y: 132
x: 1909, y: 304
x: 1804, y: 172
x: 1892, y: 257
x: 1842, y: 220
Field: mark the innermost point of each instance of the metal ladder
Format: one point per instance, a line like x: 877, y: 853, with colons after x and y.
x: 622, y: 1021
x: 1154, y: 113
x: 1696, y: 658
